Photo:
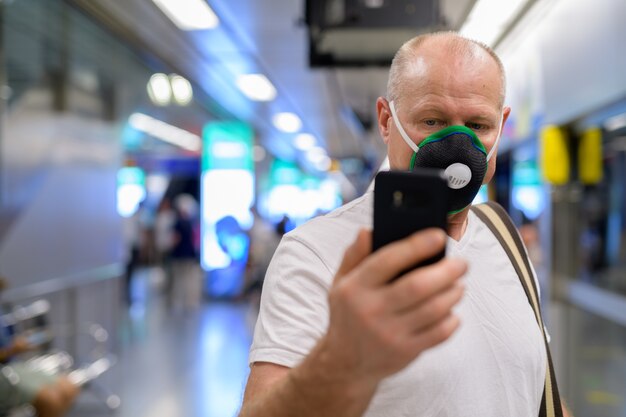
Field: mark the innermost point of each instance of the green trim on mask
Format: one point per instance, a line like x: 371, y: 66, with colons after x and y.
x: 442, y: 134
x: 454, y: 129
x: 450, y: 213
x: 412, y: 165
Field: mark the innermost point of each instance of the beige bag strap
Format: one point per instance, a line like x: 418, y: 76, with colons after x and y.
x: 501, y: 225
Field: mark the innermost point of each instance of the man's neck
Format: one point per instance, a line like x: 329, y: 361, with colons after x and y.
x: 457, y: 224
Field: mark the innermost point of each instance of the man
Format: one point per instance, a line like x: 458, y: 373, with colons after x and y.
x: 187, y: 285
x: 334, y: 338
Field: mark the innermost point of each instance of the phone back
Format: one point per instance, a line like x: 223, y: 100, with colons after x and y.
x: 408, y: 201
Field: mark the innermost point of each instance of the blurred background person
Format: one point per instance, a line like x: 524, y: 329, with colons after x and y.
x: 264, y: 239
x: 284, y: 225
x: 234, y: 241
x: 134, y: 238
x: 186, y: 276
x: 530, y: 236
x: 164, y: 235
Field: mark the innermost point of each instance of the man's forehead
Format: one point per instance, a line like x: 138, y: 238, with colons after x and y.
x: 434, y: 105
x: 418, y: 67
x: 439, y: 64
x: 423, y: 72
x: 451, y: 45
x: 441, y: 52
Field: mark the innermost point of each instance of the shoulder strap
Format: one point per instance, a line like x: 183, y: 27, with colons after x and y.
x: 501, y: 225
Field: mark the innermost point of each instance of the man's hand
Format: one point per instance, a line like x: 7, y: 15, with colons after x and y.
x: 376, y: 327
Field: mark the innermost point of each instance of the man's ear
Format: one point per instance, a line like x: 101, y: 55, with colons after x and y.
x: 505, y: 115
x: 384, y: 118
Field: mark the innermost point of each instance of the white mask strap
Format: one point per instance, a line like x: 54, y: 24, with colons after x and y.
x: 406, y: 137
x: 495, y: 145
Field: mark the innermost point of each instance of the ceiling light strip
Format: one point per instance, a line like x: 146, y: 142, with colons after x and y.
x: 189, y: 14
x: 165, y: 132
x: 256, y: 87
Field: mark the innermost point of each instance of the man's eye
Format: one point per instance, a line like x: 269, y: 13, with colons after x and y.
x: 475, y: 126
x: 430, y: 122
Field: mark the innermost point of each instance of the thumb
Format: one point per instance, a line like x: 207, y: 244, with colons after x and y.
x: 356, y: 252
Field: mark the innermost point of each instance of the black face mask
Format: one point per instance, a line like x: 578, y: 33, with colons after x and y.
x: 456, y: 150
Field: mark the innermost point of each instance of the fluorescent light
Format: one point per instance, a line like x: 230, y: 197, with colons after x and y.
x: 165, y: 132
x: 189, y: 14
x: 318, y: 158
x: 256, y: 87
x: 323, y: 163
x: 159, y: 89
x: 489, y: 18
x: 304, y: 141
x: 183, y: 93
x: 316, y: 150
x: 287, y: 122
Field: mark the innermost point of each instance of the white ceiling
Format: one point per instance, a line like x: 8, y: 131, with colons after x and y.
x: 266, y: 36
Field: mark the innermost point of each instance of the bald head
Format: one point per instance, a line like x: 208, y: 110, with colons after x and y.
x: 410, y: 60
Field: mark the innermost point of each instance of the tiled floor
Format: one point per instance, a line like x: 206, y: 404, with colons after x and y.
x: 195, y: 364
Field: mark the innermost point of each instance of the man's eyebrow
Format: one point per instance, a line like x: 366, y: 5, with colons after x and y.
x: 430, y: 109
x: 481, y: 117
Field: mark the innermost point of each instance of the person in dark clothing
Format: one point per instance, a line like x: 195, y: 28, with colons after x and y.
x: 186, y: 275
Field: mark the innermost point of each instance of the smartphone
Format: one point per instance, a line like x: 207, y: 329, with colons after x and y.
x: 406, y: 202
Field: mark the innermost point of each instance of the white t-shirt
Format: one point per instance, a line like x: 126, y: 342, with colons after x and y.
x: 494, y: 365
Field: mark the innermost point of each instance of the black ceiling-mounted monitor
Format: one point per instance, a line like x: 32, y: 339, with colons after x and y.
x: 365, y: 32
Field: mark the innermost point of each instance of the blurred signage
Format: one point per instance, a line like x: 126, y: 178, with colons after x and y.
x: 181, y: 166
x: 131, y: 190
x: 527, y: 191
x: 227, y: 194
x: 526, y: 173
x: 284, y: 173
x: 590, y: 156
x: 227, y: 145
x: 555, y: 163
x: 131, y: 175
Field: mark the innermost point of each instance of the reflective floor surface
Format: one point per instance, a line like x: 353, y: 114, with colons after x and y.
x: 176, y: 363
x: 593, y: 364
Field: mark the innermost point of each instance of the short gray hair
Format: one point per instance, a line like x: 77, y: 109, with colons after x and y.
x: 409, y: 51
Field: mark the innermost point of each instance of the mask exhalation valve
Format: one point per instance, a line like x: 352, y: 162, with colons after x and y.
x: 459, y: 175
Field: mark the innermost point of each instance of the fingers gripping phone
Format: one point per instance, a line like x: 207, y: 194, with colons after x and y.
x: 406, y: 202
